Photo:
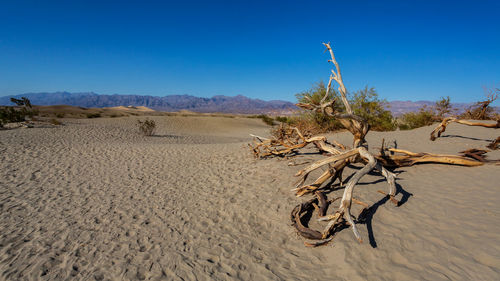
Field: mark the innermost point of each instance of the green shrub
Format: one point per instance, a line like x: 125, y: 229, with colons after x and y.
x: 317, y: 122
x: 93, y: 115
x: 54, y: 121
x: 147, y: 127
x: 60, y: 115
x: 412, y: 120
x: 283, y: 119
x: 443, y: 108
x: 16, y: 113
x: 365, y: 103
x: 266, y: 119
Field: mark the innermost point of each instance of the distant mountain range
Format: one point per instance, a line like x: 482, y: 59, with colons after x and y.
x: 222, y: 104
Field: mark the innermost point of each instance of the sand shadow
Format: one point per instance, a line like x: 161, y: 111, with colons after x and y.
x: 168, y: 136
x: 366, y: 216
x: 462, y: 137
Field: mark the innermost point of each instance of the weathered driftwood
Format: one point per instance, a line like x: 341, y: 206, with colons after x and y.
x: 494, y: 144
x: 441, y: 128
x: 288, y: 143
x: 406, y: 158
x: 290, y: 140
x: 339, y: 159
x: 477, y: 154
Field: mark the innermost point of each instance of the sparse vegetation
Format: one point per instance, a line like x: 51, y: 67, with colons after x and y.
x: 366, y: 104
x: 60, y: 115
x: 265, y: 118
x: 482, y: 110
x: 93, y: 115
x: 312, y: 122
x: 413, y: 120
x: 16, y: 113
x: 147, y: 127
x: 443, y: 108
x: 54, y: 121
x: 283, y: 119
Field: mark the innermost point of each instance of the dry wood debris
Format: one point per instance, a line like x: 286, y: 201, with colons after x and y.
x: 290, y: 140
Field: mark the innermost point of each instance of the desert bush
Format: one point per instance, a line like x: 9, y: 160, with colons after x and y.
x: 365, y: 103
x: 482, y: 110
x: 443, y: 108
x: 60, y: 115
x: 16, y: 113
x: 412, y: 120
x: 317, y: 122
x: 265, y: 118
x: 93, y: 115
x: 54, y: 121
x: 283, y: 119
x: 147, y: 127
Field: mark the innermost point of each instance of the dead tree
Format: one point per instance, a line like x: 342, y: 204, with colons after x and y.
x: 482, y: 110
x: 338, y: 157
x: 441, y: 128
x: 291, y: 140
x: 494, y: 144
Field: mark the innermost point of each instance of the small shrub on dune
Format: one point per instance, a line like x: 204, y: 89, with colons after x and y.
x: 54, y: 121
x: 266, y: 119
x: 443, y: 108
x: 93, y: 115
x: 365, y: 103
x: 282, y: 119
x: 147, y: 127
x: 482, y: 110
x: 413, y: 120
x: 17, y: 113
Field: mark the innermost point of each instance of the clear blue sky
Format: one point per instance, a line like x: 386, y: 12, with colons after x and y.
x: 407, y: 50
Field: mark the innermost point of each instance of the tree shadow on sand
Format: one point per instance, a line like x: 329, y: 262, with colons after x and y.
x: 366, y: 215
x: 462, y: 137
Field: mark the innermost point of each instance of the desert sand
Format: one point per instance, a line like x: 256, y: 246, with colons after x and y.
x: 95, y: 200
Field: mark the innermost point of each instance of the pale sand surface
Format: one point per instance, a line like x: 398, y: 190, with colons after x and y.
x: 95, y: 200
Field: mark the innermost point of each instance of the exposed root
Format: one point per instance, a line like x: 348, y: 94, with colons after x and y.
x: 441, y: 128
x: 477, y: 154
x: 296, y: 215
x: 494, y: 144
x: 407, y: 158
x: 318, y: 243
x: 323, y: 204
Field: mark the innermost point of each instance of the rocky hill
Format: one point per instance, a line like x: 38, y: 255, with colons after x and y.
x: 222, y: 104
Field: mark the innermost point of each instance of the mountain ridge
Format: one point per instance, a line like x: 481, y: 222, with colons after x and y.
x: 218, y: 103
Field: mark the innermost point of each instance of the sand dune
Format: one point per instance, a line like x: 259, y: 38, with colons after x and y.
x: 131, y: 108
x: 93, y: 199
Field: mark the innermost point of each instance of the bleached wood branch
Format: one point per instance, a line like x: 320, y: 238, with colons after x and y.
x: 441, y: 128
